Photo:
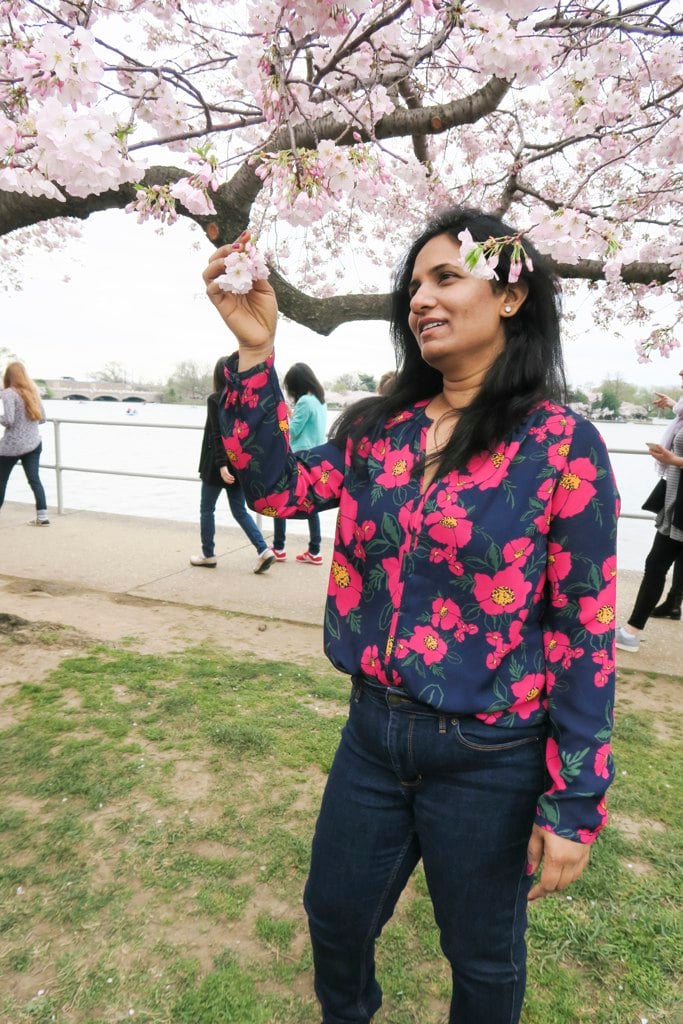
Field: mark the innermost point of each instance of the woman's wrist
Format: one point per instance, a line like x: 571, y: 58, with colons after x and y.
x: 248, y: 358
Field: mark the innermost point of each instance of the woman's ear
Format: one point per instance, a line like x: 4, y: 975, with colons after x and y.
x: 513, y: 297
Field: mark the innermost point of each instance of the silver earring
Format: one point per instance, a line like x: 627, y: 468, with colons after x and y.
x: 508, y: 309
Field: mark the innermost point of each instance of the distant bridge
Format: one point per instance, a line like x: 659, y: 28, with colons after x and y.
x: 96, y: 391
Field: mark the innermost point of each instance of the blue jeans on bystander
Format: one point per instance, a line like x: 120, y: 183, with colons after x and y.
x: 407, y: 783
x: 314, y: 534
x: 238, y: 510
x: 30, y: 461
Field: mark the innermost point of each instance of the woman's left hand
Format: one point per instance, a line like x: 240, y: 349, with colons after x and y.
x: 665, y: 457
x: 563, y: 861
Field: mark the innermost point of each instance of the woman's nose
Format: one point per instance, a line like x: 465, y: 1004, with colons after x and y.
x: 421, y: 299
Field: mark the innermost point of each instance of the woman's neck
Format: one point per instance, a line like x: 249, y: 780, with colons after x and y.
x: 458, y: 394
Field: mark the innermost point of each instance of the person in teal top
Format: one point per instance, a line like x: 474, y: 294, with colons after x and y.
x: 307, y: 428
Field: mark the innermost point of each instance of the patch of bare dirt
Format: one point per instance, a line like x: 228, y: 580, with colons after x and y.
x: 210, y: 849
x: 26, y: 986
x: 146, y: 625
x: 191, y: 782
x: 309, y: 792
x: 650, y: 693
x: 631, y: 828
x: 29, y: 805
x: 325, y: 709
x: 638, y: 867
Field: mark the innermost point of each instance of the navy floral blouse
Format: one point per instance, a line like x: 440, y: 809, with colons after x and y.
x: 492, y: 594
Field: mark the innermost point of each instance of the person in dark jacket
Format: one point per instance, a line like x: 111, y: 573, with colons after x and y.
x: 214, y: 470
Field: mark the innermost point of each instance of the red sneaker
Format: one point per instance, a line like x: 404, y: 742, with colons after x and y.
x: 280, y: 555
x: 306, y: 556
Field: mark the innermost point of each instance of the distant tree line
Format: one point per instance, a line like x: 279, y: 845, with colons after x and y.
x: 613, y: 395
x: 191, y: 382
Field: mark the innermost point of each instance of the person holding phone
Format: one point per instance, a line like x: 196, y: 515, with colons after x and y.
x: 667, y: 548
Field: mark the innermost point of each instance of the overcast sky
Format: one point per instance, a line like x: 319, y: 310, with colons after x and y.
x: 124, y: 294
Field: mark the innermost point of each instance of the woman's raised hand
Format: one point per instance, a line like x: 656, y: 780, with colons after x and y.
x: 663, y: 401
x: 252, y: 316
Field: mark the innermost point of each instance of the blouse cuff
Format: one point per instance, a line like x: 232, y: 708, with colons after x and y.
x: 236, y: 378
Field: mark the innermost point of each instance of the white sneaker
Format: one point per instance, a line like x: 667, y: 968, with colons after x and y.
x: 208, y: 561
x: 264, y: 561
x: 626, y: 641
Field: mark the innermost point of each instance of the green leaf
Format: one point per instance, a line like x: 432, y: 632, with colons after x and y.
x: 332, y: 623
x: 548, y: 809
x: 389, y: 530
x: 432, y: 694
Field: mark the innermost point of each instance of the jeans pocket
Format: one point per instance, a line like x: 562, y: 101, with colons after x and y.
x: 475, y: 735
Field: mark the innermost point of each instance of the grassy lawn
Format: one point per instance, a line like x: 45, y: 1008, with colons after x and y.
x: 155, y: 823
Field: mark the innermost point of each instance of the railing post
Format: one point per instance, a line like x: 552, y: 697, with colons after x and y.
x: 58, y: 468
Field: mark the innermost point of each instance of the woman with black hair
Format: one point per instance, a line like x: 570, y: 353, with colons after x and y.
x: 216, y: 476
x: 307, y: 428
x: 471, y: 600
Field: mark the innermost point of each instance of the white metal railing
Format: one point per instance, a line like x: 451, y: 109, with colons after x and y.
x: 59, y: 467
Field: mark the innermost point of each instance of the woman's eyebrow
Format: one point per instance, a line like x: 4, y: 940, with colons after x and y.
x: 435, y: 270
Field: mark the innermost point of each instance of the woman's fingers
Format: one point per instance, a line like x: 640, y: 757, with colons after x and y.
x: 216, y: 265
x: 562, y: 861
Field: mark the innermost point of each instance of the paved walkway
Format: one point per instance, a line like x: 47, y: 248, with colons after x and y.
x: 149, y: 558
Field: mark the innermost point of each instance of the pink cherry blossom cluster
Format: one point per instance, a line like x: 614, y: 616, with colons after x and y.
x: 193, y: 192
x: 308, y: 17
x: 242, y: 267
x: 53, y: 136
x: 661, y: 341
x: 159, y: 201
x: 481, y: 258
x: 153, y: 201
x: 55, y: 63
x: 309, y: 183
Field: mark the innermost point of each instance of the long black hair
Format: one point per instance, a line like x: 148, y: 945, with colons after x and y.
x: 300, y: 380
x: 219, y: 374
x: 529, y: 367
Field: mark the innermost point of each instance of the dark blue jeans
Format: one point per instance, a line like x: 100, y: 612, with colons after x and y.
x: 30, y: 461
x: 407, y: 784
x: 314, y: 535
x: 238, y: 510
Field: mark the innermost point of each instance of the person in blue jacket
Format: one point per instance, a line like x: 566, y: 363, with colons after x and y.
x: 307, y: 428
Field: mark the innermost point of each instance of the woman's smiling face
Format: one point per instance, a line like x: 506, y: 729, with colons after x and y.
x: 456, y: 318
